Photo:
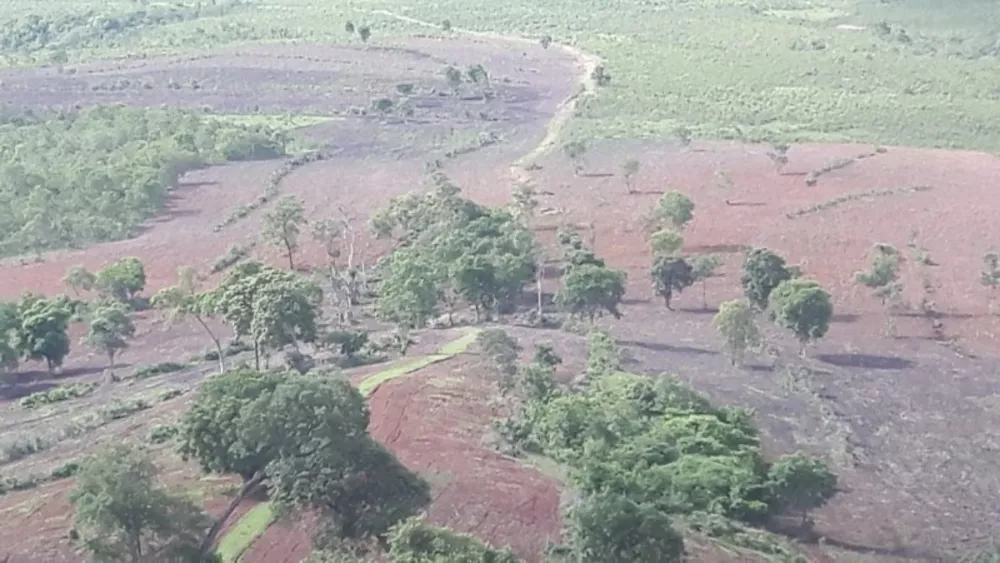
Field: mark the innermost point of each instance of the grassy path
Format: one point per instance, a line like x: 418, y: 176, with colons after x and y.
x: 255, y: 522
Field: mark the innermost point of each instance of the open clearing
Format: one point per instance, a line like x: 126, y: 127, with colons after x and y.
x: 909, y: 422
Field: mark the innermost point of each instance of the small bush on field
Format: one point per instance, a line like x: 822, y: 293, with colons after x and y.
x: 57, y: 394
x: 163, y: 433
x: 157, y: 369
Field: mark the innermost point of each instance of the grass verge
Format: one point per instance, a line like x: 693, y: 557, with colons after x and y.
x: 245, y: 532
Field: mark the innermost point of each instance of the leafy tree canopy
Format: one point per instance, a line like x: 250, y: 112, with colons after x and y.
x: 122, y: 514
x: 88, y: 176
x: 414, y: 541
x: 803, y: 307
x: 121, y: 280
x: 674, y: 209
x: 763, y: 270
x: 110, y: 330
x: 589, y: 289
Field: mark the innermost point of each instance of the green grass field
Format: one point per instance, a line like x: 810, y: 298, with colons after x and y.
x: 734, y: 69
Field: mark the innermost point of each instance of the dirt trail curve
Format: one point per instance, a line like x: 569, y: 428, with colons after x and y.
x: 587, y: 62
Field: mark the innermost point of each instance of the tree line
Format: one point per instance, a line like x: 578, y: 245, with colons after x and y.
x: 72, y: 178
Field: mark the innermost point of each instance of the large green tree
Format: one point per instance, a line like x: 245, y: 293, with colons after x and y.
x: 610, y: 528
x: 306, y: 437
x: 42, y: 334
x: 803, y: 307
x: 670, y: 274
x: 121, y: 280
x: 763, y: 270
x: 123, y: 514
x: 588, y: 289
x: 272, y: 307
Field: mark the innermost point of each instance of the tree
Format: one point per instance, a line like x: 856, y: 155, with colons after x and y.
x: 589, y: 288
x: 779, y: 156
x: 763, y: 270
x: 364, y: 32
x: 446, y: 25
x: 670, y: 274
x: 666, y: 242
x: 327, y: 462
x: 349, y: 27
x: 307, y: 437
x: 545, y: 41
x: 684, y: 135
x: 674, y: 209
x: 42, y: 334
x: 110, y: 330
x: 882, y: 278
x: 283, y: 225
x: 630, y: 168
x: 10, y: 324
x: 737, y: 326
x: 415, y: 541
x: 183, y: 300
x: 478, y: 76
x: 79, y: 279
x: 575, y: 151
x: 802, y: 306
x: 611, y: 528
x: 454, y: 77
x: 990, y: 277
x: 600, y: 76
x: 122, y: 514
x: 273, y: 307
x: 799, y: 484
x: 525, y: 203
x: 502, y: 351
x: 703, y: 267
x: 408, y: 291
x: 122, y: 280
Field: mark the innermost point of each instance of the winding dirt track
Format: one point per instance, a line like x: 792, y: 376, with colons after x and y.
x: 587, y: 63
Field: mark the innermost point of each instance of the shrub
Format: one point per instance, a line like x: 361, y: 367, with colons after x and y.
x: 158, y: 369
x: 57, y: 394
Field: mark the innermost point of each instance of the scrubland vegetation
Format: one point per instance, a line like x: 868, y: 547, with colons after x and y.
x: 76, y: 177
x: 647, y: 462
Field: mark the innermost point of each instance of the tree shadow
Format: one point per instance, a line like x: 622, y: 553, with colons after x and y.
x: 845, y: 318
x: 745, y: 203
x: 791, y: 528
x: 720, y: 248
x: 759, y: 368
x: 866, y: 361
x: 635, y: 301
x: 699, y: 310
x: 597, y: 174
x: 14, y: 391
x: 663, y: 347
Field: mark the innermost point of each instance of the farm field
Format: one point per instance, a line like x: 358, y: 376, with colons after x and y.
x: 889, y: 140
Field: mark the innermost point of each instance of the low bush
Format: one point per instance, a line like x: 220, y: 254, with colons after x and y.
x: 57, y: 394
x: 158, y: 369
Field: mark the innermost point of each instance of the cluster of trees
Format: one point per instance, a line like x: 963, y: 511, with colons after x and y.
x: 75, y: 31
x: 450, y: 251
x: 271, y: 308
x: 643, y: 451
x: 35, y: 328
x: 78, y: 177
x: 302, y: 438
x: 772, y: 287
x: 672, y: 272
